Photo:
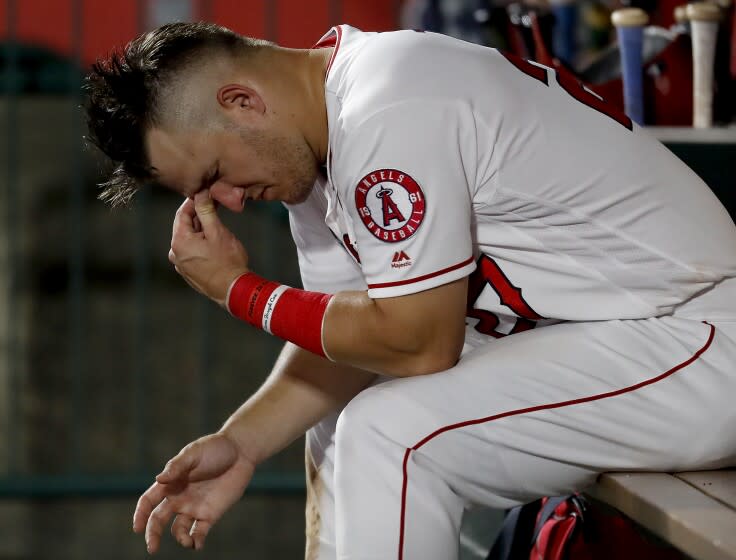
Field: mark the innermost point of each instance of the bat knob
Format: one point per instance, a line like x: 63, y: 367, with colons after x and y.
x: 703, y: 11
x: 681, y: 14
x: 629, y: 17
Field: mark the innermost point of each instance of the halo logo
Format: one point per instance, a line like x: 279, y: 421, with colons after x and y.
x: 390, y: 203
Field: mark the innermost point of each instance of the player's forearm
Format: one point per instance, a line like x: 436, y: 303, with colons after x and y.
x: 301, y: 390
x: 401, y: 336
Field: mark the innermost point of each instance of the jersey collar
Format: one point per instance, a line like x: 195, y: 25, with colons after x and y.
x: 330, y: 39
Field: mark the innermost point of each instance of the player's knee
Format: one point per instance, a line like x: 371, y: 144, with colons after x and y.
x: 382, y: 419
x: 364, y: 418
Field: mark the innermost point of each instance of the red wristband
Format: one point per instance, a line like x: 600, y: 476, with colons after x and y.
x: 291, y: 314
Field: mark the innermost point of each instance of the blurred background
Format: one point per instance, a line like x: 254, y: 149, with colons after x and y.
x: 109, y: 363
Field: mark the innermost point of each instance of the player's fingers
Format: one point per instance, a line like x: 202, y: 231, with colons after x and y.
x: 206, y: 211
x: 156, y: 522
x: 146, y: 503
x: 199, y: 531
x: 180, y: 529
x: 184, y: 219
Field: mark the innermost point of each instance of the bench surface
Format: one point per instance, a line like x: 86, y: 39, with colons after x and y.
x: 694, y: 511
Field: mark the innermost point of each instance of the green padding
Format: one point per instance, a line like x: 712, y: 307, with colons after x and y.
x: 716, y: 165
x: 32, y: 69
x: 110, y: 485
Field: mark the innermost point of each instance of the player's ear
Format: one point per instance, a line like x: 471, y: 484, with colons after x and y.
x: 238, y: 97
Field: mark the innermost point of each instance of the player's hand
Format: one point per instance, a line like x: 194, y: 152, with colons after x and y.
x: 197, y: 486
x: 207, y: 254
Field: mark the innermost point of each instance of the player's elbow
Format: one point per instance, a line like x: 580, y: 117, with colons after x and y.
x: 434, y: 357
x: 427, y: 347
x: 428, y: 365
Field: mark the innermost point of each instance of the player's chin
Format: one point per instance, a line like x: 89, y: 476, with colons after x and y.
x: 295, y: 195
x: 277, y: 193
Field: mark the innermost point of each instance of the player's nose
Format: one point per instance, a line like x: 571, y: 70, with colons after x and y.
x: 229, y: 196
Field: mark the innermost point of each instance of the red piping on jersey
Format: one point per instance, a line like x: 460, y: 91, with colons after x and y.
x: 420, y: 278
x: 525, y: 411
x: 331, y: 39
x: 328, y: 40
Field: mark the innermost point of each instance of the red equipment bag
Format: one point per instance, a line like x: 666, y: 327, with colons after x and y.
x: 573, y: 528
x: 558, y: 528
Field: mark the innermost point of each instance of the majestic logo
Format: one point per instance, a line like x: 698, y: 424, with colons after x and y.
x: 390, y: 203
x: 400, y: 260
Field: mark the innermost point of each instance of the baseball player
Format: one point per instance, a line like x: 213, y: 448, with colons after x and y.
x: 509, y: 287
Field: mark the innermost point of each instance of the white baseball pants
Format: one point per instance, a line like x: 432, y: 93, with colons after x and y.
x: 537, y: 413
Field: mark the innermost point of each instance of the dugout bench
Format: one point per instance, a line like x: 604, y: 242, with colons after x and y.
x: 693, y: 511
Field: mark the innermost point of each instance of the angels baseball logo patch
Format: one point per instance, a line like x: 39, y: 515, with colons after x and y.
x: 390, y: 203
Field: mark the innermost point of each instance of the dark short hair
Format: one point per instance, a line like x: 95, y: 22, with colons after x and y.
x: 123, y: 94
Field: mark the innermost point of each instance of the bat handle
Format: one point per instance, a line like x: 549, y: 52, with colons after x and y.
x: 629, y: 23
x: 704, y: 18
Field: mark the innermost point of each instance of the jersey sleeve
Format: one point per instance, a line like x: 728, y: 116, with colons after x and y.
x: 324, y: 263
x: 404, y: 174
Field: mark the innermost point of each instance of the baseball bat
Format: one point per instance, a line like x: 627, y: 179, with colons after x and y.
x: 681, y: 22
x: 563, y: 37
x: 681, y: 14
x: 704, y: 17
x: 629, y: 23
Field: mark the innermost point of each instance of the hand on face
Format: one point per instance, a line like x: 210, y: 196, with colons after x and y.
x: 206, y: 254
x: 197, y: 486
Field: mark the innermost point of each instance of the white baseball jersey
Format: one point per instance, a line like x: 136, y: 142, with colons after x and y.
x: 449, y: 159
